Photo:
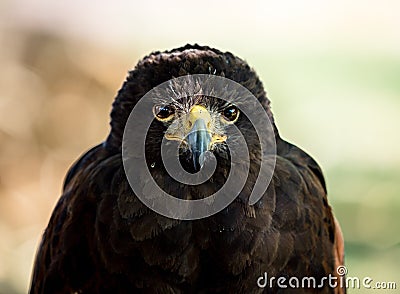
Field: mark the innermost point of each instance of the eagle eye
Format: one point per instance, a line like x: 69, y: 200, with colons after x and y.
x: 230, y: 114
x: 163, y: 113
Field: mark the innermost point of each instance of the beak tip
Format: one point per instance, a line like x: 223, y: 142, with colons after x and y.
x: 199, y: 160
x: 202, y: 159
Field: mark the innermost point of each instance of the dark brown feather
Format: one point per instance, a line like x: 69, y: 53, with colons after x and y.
x: 102, y: 239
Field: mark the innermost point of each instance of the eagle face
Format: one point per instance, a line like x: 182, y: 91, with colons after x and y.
x: 199, y: 125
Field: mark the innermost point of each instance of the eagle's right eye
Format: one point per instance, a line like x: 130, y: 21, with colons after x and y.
x: 230, y: 114
x: 163, y: 113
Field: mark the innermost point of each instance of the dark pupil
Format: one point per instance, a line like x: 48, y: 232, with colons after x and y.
x: 164, y: 112
x: 230, y: 113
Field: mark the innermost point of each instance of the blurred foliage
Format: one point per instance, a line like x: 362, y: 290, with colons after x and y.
x: 54, y: 103
x: 367, y: 203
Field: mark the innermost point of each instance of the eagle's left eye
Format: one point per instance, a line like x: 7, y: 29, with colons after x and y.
x: 163, y: 113
x: 230, y: 114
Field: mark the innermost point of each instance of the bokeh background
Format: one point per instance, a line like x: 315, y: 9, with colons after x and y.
x: 331, y: 69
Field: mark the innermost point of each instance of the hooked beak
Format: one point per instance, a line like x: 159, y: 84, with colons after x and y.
x: 197, y: 132
x: 199, y: 140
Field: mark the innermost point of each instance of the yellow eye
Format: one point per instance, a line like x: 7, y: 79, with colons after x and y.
x: 231, y: 114
x: 163, y: 113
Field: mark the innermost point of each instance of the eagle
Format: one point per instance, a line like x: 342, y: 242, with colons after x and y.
x: 102, y: 238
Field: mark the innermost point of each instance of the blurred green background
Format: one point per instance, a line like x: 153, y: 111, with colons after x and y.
x: 331, y: 70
